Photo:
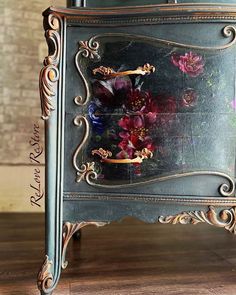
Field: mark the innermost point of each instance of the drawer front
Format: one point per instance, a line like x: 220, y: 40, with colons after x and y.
x: 150, y: 109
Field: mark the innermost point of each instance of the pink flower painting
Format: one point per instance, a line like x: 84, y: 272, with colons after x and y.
x: 190, y: 63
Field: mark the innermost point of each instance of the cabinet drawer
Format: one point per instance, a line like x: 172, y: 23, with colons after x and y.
x: 151, y: 109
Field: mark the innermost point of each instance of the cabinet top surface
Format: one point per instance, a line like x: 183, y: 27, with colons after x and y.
x: 145, y: 9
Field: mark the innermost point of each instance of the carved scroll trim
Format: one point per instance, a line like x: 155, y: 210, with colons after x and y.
x: 49, y: 75
x: 87, y: 49
x: 225, y: 218
x: 85, y: 171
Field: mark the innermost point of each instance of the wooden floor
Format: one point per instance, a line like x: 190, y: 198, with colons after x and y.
x: 123, y: 258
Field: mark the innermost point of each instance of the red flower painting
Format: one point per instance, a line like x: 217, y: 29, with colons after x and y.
x: 190, y: 63
x: 135, y: 135
x: 141, y: 116
x: 143, y: 111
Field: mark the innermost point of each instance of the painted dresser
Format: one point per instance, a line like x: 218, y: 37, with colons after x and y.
x: 139, y: 106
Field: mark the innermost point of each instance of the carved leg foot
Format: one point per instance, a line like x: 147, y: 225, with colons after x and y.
x: 69, y: 230
x: 50, y: 271
x: 45, y: 277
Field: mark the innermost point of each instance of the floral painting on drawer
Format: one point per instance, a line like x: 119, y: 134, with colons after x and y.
x: 156, y: 112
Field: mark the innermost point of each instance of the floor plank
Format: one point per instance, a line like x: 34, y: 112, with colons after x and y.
x: 129, y: 257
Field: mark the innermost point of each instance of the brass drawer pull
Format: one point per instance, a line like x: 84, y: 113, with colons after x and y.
x: 109, y: 73
x: 140, y: 156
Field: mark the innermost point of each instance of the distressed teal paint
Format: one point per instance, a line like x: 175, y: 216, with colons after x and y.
x: 67, y: 200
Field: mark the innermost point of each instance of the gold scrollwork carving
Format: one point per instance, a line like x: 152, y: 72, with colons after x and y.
x: 86, y: 171
x: 45, y: 277
x: 225, y: 218
x: 49, y: 75
x: 88, y: 49
x: 68, y: 230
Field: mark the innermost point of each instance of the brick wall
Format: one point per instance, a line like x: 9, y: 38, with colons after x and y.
x: 22, y: 49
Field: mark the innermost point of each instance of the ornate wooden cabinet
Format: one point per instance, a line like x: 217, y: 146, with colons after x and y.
x: 139, y: 107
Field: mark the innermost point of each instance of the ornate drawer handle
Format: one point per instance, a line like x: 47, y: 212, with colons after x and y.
x: 109, y: 73
x: 140, y: 156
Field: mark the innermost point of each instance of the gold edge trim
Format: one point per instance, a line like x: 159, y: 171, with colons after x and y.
x: 49, y: 74
x: 69, y: 229
x: 217, y: 201
x: 151, y: 8
x: 228, y: 31
x: 124, y: 21
x: 226, y: 190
